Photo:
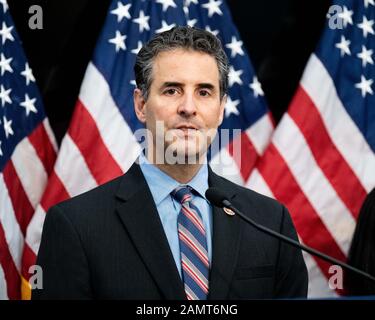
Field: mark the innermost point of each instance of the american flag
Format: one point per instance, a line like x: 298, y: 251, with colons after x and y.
x: 27, y: 156
x: 321, y: 162
x: 100, y: 144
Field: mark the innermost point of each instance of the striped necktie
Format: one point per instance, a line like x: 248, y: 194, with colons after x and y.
x: 193, y: 246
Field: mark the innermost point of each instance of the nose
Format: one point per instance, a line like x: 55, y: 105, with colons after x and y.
x: 187, y: 107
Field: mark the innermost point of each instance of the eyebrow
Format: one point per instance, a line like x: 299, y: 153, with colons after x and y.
x: 179, y: 84
x: 171, y: 84
x: 206, y: 86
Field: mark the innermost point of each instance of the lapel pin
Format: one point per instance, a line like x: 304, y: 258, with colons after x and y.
x: 228, y: 211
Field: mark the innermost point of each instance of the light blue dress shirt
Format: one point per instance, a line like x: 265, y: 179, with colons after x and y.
x: 161, y: 186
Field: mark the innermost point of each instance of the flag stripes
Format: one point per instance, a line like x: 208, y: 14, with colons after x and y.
x: 20, y: 201
x: 107, y: 167
x: 10, y: 271
x: 95, y: 94
x: 328, y: 158
x: 321, y: 160
x: 288, y: 191
x: 344, y: 133
x: 324, y: 199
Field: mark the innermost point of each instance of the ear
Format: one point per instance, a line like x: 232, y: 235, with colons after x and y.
x: 222, y: 108
x: 139, y: 105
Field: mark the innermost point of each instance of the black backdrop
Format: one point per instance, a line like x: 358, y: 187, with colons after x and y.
x: 278, y: 34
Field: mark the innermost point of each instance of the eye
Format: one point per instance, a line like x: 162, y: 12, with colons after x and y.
x: 170, y: 92
x: 204, y: 93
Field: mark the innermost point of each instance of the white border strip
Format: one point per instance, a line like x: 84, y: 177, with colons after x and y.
x: 3, y: 286
x: 12, y: 230
x: 35, y: 228
x: 72, y: 170
x: 224, y: 165
x: 260, y: 133
x: 50, y: 134
x: 30, y: 170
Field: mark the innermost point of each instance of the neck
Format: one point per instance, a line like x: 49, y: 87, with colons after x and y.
x: 183, y: 173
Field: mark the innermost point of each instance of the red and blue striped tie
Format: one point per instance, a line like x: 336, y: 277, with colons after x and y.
x: 193, y: 246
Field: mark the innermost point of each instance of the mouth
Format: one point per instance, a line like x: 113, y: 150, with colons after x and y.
x: 186, y: 131
x: 186, y: 127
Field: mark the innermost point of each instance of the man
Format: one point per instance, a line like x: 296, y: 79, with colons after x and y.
x: 151, y: 234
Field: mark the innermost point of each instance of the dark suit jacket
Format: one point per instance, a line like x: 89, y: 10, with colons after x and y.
x: 109, y: 243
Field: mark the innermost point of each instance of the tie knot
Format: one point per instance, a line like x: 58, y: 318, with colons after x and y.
x: 182, y: 194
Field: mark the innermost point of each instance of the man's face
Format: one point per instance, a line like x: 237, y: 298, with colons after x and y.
x: 184, y: 99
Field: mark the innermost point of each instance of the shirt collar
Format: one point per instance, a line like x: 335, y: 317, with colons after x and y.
x: 161, y: 184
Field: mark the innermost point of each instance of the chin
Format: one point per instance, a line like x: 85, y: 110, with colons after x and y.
x: 185, y: 152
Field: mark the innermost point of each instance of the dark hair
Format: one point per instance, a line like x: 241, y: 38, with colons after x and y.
x: 183, y: 37
x: 362, y: 250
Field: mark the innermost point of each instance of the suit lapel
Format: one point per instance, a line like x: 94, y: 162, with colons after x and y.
x: 225, y: 242
x: 139, y: 215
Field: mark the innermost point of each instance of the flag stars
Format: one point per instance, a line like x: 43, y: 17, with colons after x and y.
x: 366, y: 26
x: 29, y: 105
x: 234, y: 76
x: 122, y: 11
x: 136, y: 50
x: 213, y: 7
x: 236, y: 47
x: 4, y: 96
x: 192, y: 22
x: 256, y: 87
x: 6, y: 33
x: 1, y: 151
x: 188, y: 2
x: 365, y: 86
x: 7, y: 124
x: 166, y: 4
x: 214, y: 32
x: 5, y: 64
x: 142, y: 20
x: 118, y: 41
x: 366, y: 56
x: 343, y: 45
x: 346, y: 16
x: 164, y: 27
x: 231, y: 107
x: 186, y: 11
x: 28, y: 74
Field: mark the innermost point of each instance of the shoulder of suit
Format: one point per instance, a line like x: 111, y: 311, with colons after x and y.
x: 248, y: 195
x: 92, y: 199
